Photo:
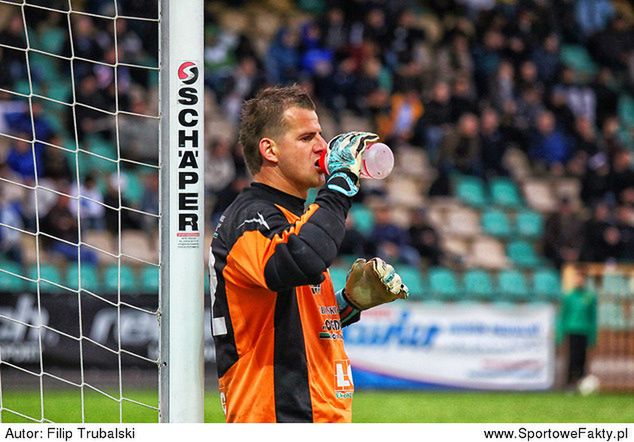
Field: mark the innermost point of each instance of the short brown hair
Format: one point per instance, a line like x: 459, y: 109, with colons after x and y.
x: 262, y: 116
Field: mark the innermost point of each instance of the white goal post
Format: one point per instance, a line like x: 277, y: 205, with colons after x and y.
x: 182, y: 196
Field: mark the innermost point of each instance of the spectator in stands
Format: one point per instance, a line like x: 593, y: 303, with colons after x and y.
x: 437, y: 118
x: 564, y: 234
x: 87, y: 199
x: 577, y: 326
x: 625, y: 222
x: 595, y: 183
x: 549, y: 146
x: 425, y: 238
x: 10, y: 237
x: 602, y: 237
x: 461, y: 150
x: 399, y: 126
x: 454, y: 57
x: 494, y: 143
x: 463, y: 99
x: 354, y: 243
x: 283, y: 57
x: 547, y: 58
x: 62, y: 232
x: 621, y: 174
x: 22, y: 160
x: 389, y: 240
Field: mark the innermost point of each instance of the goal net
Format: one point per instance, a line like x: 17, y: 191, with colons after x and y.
x: 93, y: 221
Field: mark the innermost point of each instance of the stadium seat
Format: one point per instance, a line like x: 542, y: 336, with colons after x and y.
x: 539, y: 195
x: 362, y: 217
x: 626, y: 110
x: 478, y: 285
x: 488, y: 253
x: 610, y: 315
x: 470, y: 190
x: 338, y: 275
x: 462, y: 221
x: 10, y: 283
x: 443, y: 284
x: 522, y: 253
x: 150, y: 280
x: 90, y: 279
x: 48, y: 273
x: 413, y: 278
x: 496, y: 223
x: 547, y: 284
x: 578, y: 58
x: 128, y: 279
x: 529, y: 224
x: 504, y: 193
x: 512, y: 286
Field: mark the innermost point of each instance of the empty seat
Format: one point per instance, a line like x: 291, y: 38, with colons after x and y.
x: 522, y: 253
x: 150, y: 280
x: 496, y: 223
x: 615, y: 285
x: 443, y: 284
x: 512, y: 286
x: 8, y: 282
x: 338, y: 275
x: 539, y: 195
x: 413, y: 278
x: 90, y: 279
x: 529, y: 224
x: 488, y: 253
x: 125, y: 279
x: 547, y: 284
x: 504, y: 193
x: 470, y: 190
x: 138, y: 244
x: 478, y: 284
x: 362, y: 217
x: 462, y: 221
x: 50, y: 278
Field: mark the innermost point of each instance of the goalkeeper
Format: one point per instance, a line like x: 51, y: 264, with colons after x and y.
x: 276, y: 320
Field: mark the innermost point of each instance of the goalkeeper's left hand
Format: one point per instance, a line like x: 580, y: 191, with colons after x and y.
x: 371, y: 283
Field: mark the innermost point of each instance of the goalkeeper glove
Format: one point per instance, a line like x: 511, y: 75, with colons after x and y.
x: 344, y: 160
x: 371, y: 283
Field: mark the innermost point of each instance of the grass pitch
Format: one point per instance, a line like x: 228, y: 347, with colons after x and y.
x: 368, y: 407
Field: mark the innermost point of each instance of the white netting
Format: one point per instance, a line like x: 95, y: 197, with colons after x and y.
x: 79, y: 210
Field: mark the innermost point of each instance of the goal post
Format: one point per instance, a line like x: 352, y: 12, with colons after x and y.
x: 182, y: 209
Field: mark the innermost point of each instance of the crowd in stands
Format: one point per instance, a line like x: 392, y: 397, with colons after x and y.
x: 464, y: 81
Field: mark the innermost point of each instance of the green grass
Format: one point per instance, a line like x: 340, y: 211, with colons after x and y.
x: 368, y: 407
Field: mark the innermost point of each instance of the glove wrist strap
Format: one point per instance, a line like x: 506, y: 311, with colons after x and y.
x: 348, y: 312
x: 343, y: 182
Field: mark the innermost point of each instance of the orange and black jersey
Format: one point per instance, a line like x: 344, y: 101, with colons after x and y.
x: 275, y: 320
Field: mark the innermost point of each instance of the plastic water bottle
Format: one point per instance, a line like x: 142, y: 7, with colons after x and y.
x: 377, y: 162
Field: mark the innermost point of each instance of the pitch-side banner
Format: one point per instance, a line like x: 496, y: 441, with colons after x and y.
x: 453, y: 346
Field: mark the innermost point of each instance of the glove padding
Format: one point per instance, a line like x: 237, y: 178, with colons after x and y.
x: 344, y: 162
x: 371, y: 283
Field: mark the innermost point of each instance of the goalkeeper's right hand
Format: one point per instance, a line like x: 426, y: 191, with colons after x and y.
x: 345, y: 153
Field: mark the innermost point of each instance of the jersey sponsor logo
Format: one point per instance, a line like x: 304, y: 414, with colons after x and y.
x: 259, y: 220
x: 329, y: 310
x: 315, y: 289
x: 331, y: 329
x: 344, y: 385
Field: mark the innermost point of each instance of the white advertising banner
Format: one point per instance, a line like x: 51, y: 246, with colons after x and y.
x: 453, y: 346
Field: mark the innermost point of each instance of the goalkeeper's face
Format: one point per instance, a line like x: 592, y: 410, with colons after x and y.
x: 300, y: 147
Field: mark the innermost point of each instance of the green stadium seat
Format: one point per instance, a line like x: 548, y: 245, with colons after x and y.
x: 90, y: 279
x: 504, y: 193
x: 470, y: 190
x: 10, y: 283
x: 626, y: 110
x: 512, y: 286
x: 338, y: 275
x: 443, y: 284
x: 523, y: 254
x: 610, y: 315
x: 547, y: 284
x: 52, y: 40
x: 363, y: 218
x: 128, y: 278
x: 150, y: 280
x: 413, y: 278
x: 478, y: 285
x: 578, y: 58
x: 134, y: 188
x: 496, y: 223
x: 48, y: 273
x: 529, y: 224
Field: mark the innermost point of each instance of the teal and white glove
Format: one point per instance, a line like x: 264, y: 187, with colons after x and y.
x: 370, y: 283
x: 344, y: 161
